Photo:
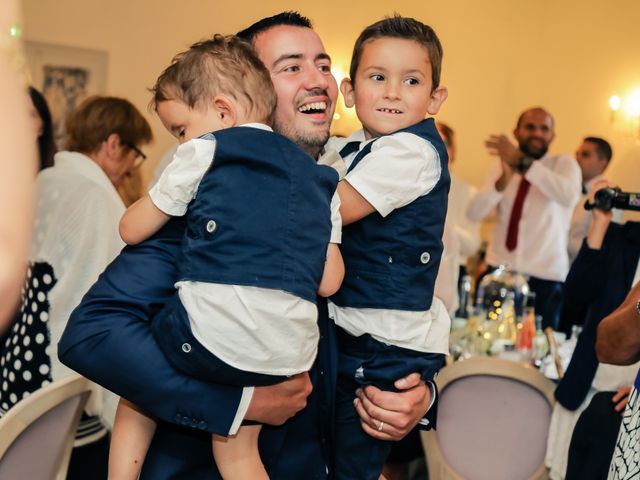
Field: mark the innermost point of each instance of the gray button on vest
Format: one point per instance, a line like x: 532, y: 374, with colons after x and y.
x: 211, y: 226
x: 186, y: 348
x: 425, y: 257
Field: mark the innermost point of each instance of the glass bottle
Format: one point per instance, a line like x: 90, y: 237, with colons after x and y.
x: 539, y: 345
x: 507, y: 319
x: 527, y: 328
x: 464, y: 297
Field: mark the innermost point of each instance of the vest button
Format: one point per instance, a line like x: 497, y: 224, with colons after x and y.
x: 425, y: 257
x: 186, y: 348
x: 211, y: 226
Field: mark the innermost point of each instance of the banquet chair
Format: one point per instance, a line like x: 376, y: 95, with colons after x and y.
x: 37, y: 433
x: 493, y: 421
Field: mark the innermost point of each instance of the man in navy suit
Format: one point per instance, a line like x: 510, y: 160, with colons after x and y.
x: 108, y: 339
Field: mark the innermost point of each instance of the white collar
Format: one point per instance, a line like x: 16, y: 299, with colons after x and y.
x: 83, y: 165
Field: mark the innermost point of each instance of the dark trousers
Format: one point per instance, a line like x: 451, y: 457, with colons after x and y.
x: 364, y: 361
x: 549, y: 299
x: 172, y: 332
x: 594, y: 439
x: 90, y: 461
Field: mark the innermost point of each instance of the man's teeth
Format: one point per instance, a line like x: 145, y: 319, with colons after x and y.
x: 319, y: 106
x: 389, y: 110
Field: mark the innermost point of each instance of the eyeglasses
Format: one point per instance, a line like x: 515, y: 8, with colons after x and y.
x: 140, y: 156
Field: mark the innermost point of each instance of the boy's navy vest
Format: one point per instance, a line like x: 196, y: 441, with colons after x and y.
x: 391, y: 263
x: 261, y: 216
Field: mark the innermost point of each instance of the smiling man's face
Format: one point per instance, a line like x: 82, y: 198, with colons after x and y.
x: 534, y: 133
x: 301, y: 74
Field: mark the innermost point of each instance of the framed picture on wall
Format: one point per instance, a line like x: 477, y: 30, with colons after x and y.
x: 66, y: 76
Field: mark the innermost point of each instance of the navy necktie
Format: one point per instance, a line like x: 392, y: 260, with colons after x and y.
x: 349, y: 148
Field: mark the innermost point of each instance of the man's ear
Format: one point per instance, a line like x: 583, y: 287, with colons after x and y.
x: 226, y: 111
x: 436, y: 99
x: 346, y: 87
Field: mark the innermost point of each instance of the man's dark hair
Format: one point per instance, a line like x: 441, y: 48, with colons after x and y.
x: 294, y: 19
x: 602, y: 147
x: 405, y: 28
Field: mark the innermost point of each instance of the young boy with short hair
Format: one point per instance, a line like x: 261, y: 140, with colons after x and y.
x: 262, y: 219
x: 393, y: 206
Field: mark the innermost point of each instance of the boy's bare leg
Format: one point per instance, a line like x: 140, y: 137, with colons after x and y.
x: 237, y: 457
x: 132, y: 434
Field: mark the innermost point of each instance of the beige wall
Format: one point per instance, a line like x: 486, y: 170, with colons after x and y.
x: 500, y: 57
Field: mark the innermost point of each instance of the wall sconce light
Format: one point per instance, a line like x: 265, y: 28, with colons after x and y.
x: 626, y: 111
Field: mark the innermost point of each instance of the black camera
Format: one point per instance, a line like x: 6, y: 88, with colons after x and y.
x: 608, y: 198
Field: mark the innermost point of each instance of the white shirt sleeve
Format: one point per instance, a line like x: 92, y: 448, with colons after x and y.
x: 332, y: 158
x: 178, y: 184
x: 446, y: 286
x: 336, y: 220
x: 560, y: 181
x: 399, y: 169
x: 483, y: 201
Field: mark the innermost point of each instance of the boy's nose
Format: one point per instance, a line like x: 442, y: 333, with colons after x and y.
x: 391, y: 90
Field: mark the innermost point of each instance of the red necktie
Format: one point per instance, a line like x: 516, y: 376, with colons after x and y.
x: 516, y: 213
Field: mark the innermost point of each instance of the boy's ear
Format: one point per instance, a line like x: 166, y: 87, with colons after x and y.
x: 437, y: 98
x: 346, y: 87
x: 226, y: 110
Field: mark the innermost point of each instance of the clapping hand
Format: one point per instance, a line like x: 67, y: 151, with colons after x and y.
x: 500, y: 146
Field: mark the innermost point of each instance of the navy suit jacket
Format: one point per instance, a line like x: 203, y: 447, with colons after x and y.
x: 108, y: 339
x: 598, y: 282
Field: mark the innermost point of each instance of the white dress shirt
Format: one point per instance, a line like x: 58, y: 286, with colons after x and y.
x: 546, y: 214
x: 400, y: 168
x: 467, y: 231
x: 446, y: 286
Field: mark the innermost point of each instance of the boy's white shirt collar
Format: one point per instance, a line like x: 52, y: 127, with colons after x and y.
x: 357, y: 136
x: 260, y: 126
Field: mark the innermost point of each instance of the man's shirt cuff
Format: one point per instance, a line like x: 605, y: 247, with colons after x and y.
x: 245, y: 401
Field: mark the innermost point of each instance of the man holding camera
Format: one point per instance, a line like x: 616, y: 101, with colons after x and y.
x: 534, y: 194
x: 593, y: 156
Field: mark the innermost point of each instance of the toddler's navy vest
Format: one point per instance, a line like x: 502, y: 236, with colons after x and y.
x: 391, y: 263
x: 261, y: 216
